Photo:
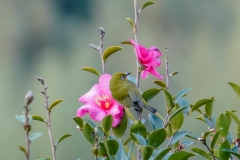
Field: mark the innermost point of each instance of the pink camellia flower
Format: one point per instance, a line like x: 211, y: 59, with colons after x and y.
x: 99, y: 102
x: 149, y: 59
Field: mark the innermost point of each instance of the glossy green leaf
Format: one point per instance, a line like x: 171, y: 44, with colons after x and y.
x: 224, y: 155
x: 178, y: 135
x: 183, y: 102
x: 120, y: 129
x: 91, y: 70
x: 206, y: 134
x: 208, y: 108
x: 181, y: 94
x: 35, y: 136
x: 42, y: 158
x: 150, y: 93
x: 155, y: 121
x: 102, y: 150
x: 146, y: 4
x: 54, y: 104
x: 21, y: 148
x: 235, y: 87
x: 79, y: 121
x: 22, y: 118
x: 215, y: 138
x: 138, y: 139
x: 62, y: 138
x: 107, y: 123
x: 129, y: 114
x: 38, y: 118
x: 160, y: 83
x: 238, y: 132
x: 109, y: 51
x: 186, y: 143
x: 146, y: 152
x: 201, y: 118
x: 130, y: 22
x: 201, y: 152
x: 120, y: 155
x: 88, y: 133
x: 200, y: 103
x: 93, y: 125
x: 177, y: 118
x: 111, y: 146
x: 162, y: 154
x: 223, y: 121
x: 129, y: 151
x: 193, y: 136
x: 168, y: 99
x: 126, y: 42
x: 157, y: 137
x: 127, y: 141
x: 139, y: 128
x: 181, y: 155
x: 234, y: 117
x: 231, y: 152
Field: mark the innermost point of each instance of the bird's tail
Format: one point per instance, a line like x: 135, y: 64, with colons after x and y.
x: 151, y: 109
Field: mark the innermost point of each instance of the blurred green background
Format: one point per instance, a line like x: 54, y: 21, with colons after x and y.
x: 51, y: 39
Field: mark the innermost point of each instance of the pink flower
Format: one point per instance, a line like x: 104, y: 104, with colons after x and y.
x: 99, y: 102
x: 149, y: 59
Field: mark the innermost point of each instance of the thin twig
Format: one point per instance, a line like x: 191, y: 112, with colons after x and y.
x: 205, y: 144
x: 166, y: 65
x: 102, y: 33
x: 169, y: 142
x: 27, y: 128
x: 44, y: 92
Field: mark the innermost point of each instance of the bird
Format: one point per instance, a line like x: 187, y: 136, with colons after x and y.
x: 127, y: 93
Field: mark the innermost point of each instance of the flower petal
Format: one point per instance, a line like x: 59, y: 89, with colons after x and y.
x: 97, y: 114
x: 89, y: 96
x: 83, y: 110
x: 104, y: 83
x: 144, y: 74
x: 155, y: 73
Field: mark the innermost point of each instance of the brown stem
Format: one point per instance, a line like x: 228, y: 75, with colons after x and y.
x: 102, y: 33
x: 205, y: 144
x: 27, y: 129
x: 166, y: 66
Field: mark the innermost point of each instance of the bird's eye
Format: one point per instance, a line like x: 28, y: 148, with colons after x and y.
x: 123, y: 78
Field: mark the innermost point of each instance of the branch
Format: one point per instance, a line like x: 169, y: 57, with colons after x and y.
x: 102, y: 33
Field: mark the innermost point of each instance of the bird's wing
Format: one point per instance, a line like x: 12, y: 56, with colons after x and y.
x: 136, y: 97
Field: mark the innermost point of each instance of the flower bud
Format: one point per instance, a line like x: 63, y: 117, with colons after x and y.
x: 29, y: 97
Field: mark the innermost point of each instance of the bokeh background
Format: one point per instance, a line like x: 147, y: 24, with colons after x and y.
x: 51, y: 39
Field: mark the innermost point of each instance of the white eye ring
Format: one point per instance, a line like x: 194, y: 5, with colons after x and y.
x: 123, y: 78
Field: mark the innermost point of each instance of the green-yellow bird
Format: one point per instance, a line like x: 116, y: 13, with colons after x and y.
x: 127, y: 93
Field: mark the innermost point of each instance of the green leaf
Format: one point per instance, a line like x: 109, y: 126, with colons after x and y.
x: 21, y: 148
x: 178, y: 135
x: 107, y: 123
x: 38, y: 118
x: 120, y: 129
x: 234, y: 117
x: 160, y: 83
x: 127, y: 141
x: 35, y: 136
x: 22, y: 118
x: 176, y: 112
x: 111, y: 146
x: 183, y: 102
x: 120, y: 153
x: 235, y: 87
x: 126, y: 42
x: 224, y: 155
x: 54, y: 104
x: 88, y: 133
x: 223, y: 121
x: 99, y: 131
x: 200, y: 103
x: 138, y: 128
x: 215, y: 138
x: 181, y: 94
x: 149, y: 94
x: 138, y: 139
x: 193, y: 136
x: 102, y: 150
x: 109, y: 51
x: 79, y: 121
x: 155, y: 121
x: 162, y: 154
x: 91, y: 70
x: 130, y: 22
x: 146, y: 4
x: 168, y: 99
x: 208, y: 108
x: 146, y: 152
x: 206, y: 134
x: 129, y: 151
x: 201, y: 118
x: 201, y: 152
x: 177, y: 118
x: 232, y: 152
x: 42, y: 158
x: 62, y: 138
x: 181, y: 155
x: 157, y: 137
x: 129, y: 114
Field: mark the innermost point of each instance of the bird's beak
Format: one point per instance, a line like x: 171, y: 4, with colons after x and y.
x: 128, y: 73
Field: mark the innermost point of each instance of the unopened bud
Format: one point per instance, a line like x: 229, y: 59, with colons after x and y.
x: 27, y: 127
x: 41, y: 80
x: 29, y: 97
